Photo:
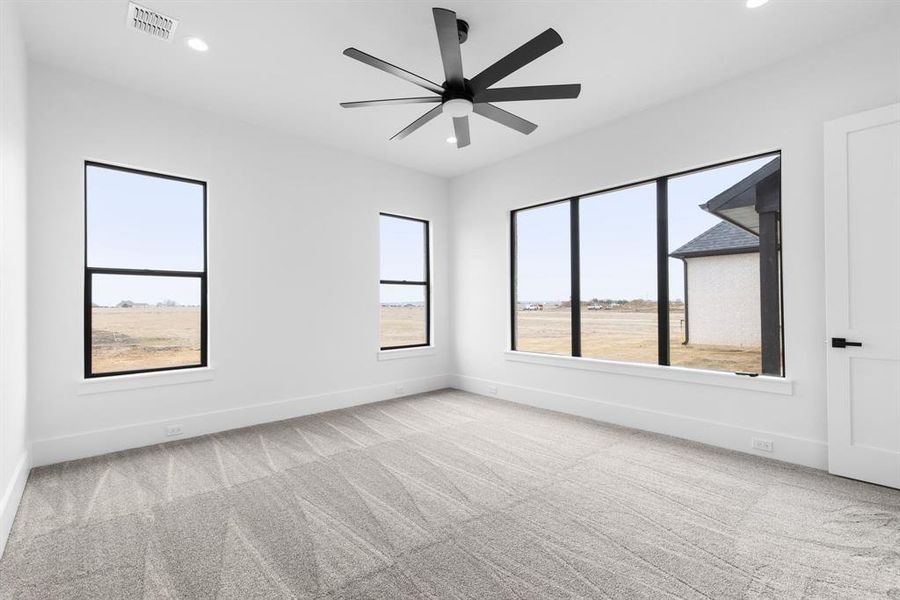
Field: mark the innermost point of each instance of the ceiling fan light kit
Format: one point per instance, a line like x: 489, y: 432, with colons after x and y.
x: 458, y: 97
x: 457, y: 107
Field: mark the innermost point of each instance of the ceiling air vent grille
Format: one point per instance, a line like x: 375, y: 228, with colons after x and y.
x: 151, y: 22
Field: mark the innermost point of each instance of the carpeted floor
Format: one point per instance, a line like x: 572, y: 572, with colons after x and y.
x: 447, y: 495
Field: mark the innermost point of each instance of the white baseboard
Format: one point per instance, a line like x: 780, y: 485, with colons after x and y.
x: 9, y: 503
x: 811, y: 453
x: 92, y: 443
x: 787, y: 448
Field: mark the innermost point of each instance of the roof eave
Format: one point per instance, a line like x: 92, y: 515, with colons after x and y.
x: 724, y: 252
x: 718, y: 202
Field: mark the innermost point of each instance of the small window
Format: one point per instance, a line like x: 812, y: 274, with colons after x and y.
x: 405, y: 290
x: 145, y: 272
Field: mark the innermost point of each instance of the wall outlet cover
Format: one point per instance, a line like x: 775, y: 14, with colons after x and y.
x: 173, y: 430
x: 762, y: 444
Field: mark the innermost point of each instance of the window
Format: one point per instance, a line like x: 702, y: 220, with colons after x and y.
x: 724, y: 262
x: 405, y: 283
x: 681, y: 270
x: 543, y: 312
x: 145, y: 272
x: 618, y: 274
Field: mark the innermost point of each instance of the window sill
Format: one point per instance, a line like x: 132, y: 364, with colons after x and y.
x: 118, y: 383
x: 762, y: 383
x: 406, y: 353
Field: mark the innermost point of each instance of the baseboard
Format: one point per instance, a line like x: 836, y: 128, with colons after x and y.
x: 787, y: 448
x: 92, y: 443
x: 9, y: 503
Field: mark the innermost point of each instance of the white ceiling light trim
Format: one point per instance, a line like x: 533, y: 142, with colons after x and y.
x: 197, y: 44
x: 755, y: 3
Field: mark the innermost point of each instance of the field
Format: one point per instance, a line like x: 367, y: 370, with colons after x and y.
x: 154, y: 337
x: 126, y: 339
x: 625, y: 336
x: 402, y: 325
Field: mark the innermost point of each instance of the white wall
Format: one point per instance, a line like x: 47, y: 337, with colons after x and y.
x: 298, y: 222
x: 782, y: 107
x: 13, y: 339
x: 723, y: 300
x: 293, y: 269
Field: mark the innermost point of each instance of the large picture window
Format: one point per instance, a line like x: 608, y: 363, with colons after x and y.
x: 145, y: 272
x: 680, y: 270
x: 405, y: 284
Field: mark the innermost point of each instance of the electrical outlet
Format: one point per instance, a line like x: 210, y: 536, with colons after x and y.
x: 173, y: 430
x: 762, y: 444
x: 400, y: 389
x: 492, y: 390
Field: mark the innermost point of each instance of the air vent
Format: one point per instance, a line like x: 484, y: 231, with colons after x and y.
x: 151, y: 22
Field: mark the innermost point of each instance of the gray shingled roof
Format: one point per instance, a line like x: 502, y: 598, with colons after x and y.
x: 723, y: 238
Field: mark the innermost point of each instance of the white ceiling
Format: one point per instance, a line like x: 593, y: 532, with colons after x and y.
x: 279, y: 63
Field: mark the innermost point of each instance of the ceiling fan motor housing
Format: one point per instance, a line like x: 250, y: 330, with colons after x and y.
x: 462, y: 30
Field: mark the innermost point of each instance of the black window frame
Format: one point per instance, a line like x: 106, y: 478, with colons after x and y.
x: 662, y: 262
x: 426, y: 282
x: 89, y: 272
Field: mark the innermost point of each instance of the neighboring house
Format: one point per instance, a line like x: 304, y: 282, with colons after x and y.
x: 721, y: 272
x: 732, y: 282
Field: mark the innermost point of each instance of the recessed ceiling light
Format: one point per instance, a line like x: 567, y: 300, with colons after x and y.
x: 755, y: 3
x: 197, y: 44
x: 451, y: 139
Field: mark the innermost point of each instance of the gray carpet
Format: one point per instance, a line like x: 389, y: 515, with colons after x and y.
x: 447, y: 495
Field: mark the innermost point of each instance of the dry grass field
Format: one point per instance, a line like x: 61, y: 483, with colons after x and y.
x: 625, y: 336
x: 126, y: 339
x: 402, y: 325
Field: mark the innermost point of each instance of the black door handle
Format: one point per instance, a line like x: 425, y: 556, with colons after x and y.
x: 843, y: 343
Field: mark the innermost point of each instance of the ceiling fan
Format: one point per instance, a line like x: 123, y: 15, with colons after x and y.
x: 458, y: 96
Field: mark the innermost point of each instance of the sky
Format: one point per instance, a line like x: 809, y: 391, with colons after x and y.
x: 144, y: 222
x: 618, y: 238
x: 402, y: 259
x: 137, y: 221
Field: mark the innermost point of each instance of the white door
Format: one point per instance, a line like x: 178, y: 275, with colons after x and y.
x: 862, y: 269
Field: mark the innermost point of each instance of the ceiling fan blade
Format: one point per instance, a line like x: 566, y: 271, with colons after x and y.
x: 391, y: 102
x: 448, y: 40
x: 461, y: 131
x: 393, y: 70
x: 504, y: 118
x: 515, y: 60
x: 417, y: 123
x: 530, y: 92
